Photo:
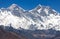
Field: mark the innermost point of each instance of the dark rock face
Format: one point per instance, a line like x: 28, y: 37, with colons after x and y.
x: 10, y: 35
x: 41, y: 34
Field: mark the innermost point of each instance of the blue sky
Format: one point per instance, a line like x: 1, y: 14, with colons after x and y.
x: 30, y: 4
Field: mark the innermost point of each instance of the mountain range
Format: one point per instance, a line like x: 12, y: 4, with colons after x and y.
x: 41, y: 22
x: 40, y: 18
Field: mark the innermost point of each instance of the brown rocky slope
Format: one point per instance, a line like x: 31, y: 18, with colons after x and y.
x: 10, y: 35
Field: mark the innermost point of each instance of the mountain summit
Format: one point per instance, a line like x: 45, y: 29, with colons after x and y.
x: 15, y: 7
x: 39, y: 18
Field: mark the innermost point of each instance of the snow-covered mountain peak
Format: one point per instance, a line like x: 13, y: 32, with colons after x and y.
x: 16, y: 10
x: 42, y: 6
x: 43, y: 10
x: 39, y: 5
x: 15, y: 7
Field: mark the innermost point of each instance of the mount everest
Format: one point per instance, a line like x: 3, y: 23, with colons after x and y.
x: 39, y: 18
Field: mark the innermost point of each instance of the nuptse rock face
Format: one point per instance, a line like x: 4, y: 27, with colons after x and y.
x: 39, y: 18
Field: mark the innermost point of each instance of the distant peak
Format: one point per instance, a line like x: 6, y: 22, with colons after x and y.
x: 39, y: 5
x: 15, y: 7
x: 14, y: 4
